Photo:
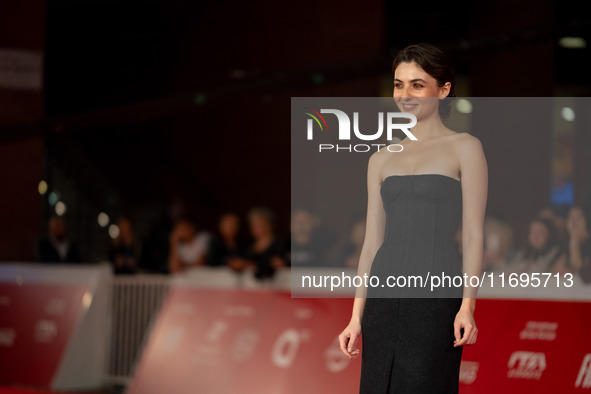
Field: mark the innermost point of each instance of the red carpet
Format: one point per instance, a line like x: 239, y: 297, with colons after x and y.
x: 11, y: 390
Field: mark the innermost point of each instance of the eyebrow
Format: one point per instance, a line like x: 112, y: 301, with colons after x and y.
x: 413, y: 80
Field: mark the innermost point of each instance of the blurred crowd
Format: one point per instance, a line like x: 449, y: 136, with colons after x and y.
x: 558, y: 241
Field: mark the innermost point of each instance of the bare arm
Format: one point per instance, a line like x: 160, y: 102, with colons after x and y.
x: 474, y: 171
x: 374, y: 233
x: 576, y: 257
x: 374, y: 236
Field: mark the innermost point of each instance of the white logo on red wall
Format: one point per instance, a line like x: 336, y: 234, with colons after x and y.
x: 539, y: 330
x: 245, y: 344
x: 468, y: 371
x: 7, y: 336
x: 584, y: 376
x: 55, y: 306
x: 335, y: 360
x: 285, y: 349
x: 45, y: 331
x: 210, y: 351
x: 526, y: 365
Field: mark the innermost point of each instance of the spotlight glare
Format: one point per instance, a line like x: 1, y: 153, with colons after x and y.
x: 572, y: 42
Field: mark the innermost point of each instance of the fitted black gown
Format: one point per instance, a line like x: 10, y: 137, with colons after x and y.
x: 407, y: 332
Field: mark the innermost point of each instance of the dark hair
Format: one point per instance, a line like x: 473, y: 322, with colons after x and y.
x: 436, y: 63
x: 189, y: 219
x: 262, y: 211
x: 550, y: 243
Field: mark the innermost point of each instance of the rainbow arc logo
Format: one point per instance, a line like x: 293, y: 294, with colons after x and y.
x: 316, y: 116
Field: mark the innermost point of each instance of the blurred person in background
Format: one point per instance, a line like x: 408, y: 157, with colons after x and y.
x: 557, y: 214
x: 309, y: 240
x: 188, y: 245
x: 498, y: 242
x: 226, y: 244
x: 268, y: 251
x: 355, y: 244
x: 125, y: 250
x: 156, y: 249
x: 57, y: 247
x: 577, y: 257
x: 541, y: 252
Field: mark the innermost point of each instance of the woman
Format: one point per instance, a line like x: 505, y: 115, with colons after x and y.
x: 226, y: 244
x: 125, y: 250
x: 541, y: 252
x: 577, y: 257
x: 416, y: 200
x: 268, y: 252
x: 188, y: 246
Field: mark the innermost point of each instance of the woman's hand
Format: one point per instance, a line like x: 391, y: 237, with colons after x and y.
x: 277, y: 262
x: 349, y: 337
x: 465, y: 319
x: 237, y: 264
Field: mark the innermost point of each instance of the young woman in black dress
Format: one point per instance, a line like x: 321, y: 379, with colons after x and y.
x: 416, y: 201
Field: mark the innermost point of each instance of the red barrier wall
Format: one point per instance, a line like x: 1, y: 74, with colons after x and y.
x: 229, y: 341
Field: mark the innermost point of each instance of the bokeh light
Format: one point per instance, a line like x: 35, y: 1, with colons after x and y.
x: 103, y: 219
x: 464, y: 106
x: 60, y: 208
x: 42, y: 187
x: 113, y: 231
x: 53, y: 198
x: 568, y: 114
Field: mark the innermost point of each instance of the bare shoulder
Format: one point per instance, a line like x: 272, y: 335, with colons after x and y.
x: 377, y: 160
x: 466, y: 144
x: 470, y: 153
x: 380, y: 156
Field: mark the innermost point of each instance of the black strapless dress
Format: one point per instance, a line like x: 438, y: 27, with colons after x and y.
x: 407, y: 333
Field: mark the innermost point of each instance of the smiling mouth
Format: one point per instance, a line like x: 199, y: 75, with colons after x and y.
x: 408, y: 107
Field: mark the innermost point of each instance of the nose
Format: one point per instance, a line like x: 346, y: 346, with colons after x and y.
x: 404, y: 94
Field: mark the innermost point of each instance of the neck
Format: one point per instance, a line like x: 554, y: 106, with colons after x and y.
x: 428, y: 128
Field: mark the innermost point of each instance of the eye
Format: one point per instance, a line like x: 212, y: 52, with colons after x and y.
x: 418, y: 85
x: 397, y: 85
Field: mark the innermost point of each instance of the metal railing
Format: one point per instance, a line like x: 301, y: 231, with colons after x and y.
x: 136, y: 301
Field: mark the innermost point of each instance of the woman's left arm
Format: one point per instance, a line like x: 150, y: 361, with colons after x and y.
x: 474, y: 172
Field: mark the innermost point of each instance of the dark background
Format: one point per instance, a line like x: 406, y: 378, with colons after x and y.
x: 148, y: 101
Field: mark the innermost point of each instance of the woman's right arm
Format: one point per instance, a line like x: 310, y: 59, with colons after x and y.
x: 374, y: 236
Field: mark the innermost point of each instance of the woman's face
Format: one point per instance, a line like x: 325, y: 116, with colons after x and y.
x: 416, y: 92
x: 302, y: 224
x: 125, y: 229
x: 260, y: 226
x: 229, y: 225
x: 538, y: 235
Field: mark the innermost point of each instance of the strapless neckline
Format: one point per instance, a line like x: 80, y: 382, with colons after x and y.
x: 411, y: 175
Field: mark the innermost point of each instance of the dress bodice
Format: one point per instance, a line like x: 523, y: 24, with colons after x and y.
x: 423, y: 213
